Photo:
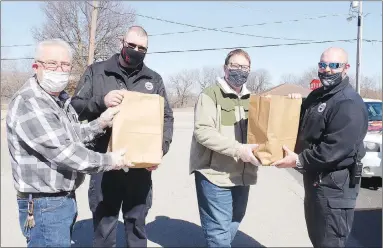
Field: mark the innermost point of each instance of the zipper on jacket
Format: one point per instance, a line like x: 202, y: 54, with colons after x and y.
x: 240, y: 126
x: 306, y: 115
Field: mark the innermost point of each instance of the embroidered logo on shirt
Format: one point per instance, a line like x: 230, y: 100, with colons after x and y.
x: 321, y: 107
x: 148, y: 85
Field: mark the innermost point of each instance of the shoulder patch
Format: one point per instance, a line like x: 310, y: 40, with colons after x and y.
x: 322, y: 107
x: 148, y: 85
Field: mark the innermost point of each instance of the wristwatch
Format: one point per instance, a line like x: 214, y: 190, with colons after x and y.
x: 298, y: 163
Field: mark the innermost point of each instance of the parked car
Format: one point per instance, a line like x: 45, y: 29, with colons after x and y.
x: 372, y: 161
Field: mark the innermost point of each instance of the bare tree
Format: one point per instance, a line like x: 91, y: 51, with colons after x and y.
x: 308, y: 76
x: 303, y: 79
x: 208, y: 76
x: 289, y: 79
x: 259, y: 81
x: 70, y: 21
x: 181, y: 85
x: 13, y: 75
x: 369, y: 86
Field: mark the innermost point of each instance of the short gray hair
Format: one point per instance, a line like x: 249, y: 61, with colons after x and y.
x: 140, y: 31
x: 52, y: 42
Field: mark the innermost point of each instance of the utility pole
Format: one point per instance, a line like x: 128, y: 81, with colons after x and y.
x: 359, y: 43
x: 92, y: 35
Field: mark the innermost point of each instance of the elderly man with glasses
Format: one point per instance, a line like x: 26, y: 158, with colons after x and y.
x: 47, y: 149
x: 329, y: 148
x: 102, y: 86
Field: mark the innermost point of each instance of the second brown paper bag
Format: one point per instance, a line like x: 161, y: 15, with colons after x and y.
x: 273, y: 122
x: 138, y: 127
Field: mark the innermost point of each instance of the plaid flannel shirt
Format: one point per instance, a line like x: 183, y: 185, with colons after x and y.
x: 47, y: 143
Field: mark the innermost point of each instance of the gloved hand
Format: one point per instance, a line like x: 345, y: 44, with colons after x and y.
x: 113, y: 98
x: 106, y: 118
x: 245, y: 153
x: 295, y: 96
x: 118, y: 161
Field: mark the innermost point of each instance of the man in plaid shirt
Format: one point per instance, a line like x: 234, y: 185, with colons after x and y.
x: 47, y: 149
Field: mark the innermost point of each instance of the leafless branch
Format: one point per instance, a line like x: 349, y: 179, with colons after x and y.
x: 259, y: 81
x: 70, y: 21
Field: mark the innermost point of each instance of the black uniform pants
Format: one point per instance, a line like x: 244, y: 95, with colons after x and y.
x: 329, y: 208
x: 107, y: 191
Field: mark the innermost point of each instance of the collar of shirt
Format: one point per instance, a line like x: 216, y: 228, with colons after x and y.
x: 113, y: 66
x: 226, y: 87
x: 322, y: 92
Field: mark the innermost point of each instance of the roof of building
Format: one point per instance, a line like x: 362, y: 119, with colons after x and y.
x: 285, y: 89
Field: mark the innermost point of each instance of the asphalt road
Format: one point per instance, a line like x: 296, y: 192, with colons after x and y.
x: 264, y: 222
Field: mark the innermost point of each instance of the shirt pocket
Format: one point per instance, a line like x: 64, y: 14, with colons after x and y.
x: 228, y: 111
x: 335, y: 179
x: 314, y: 124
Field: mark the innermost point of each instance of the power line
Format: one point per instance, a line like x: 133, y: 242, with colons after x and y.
x: 260, y: 46
x: 243, y: 47
x: 228, y: 27
x: 204, y: 28
x: 255, y: 24
x: 17, y: 58
x: 208, y: 29
x: 92, y: 5
x: 25, y: 45
x: 19, y: 45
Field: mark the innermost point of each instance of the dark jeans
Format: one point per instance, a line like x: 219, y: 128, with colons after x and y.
x: 107, y: 192
x: 221, y: 210
x: 329, y: 208
x: 54, y: 219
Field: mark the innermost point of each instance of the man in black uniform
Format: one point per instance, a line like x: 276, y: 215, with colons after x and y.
x: 329, y: 148
x: 101, y: 87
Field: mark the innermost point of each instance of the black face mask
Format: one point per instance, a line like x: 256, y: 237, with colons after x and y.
x: 132, y: 57
x: 328, y: 80
x: 237, y: 77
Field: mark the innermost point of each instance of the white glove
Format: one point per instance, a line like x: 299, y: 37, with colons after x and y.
x: 295, y: 96
x: 118, y: 161
x: 114, y: 98
x: 106, y: 118
x: 245, y: 153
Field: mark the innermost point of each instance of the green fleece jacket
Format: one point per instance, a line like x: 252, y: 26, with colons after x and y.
x: 220, y: 126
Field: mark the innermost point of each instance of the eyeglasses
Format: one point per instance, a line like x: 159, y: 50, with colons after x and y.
x: 238, y: 66
x: 53, y: 65
x: 133, y: 46
x: 323, y: 65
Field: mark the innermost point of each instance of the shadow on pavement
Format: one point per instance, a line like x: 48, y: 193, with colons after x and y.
x: 164, y: 231
x: 367, y: 228
x: 169, y: 232
x: 83, y: 234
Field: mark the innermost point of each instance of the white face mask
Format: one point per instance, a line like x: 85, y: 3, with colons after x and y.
x: 54, y: 81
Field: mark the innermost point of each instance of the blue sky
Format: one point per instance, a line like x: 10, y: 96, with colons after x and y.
x: 18, y: 18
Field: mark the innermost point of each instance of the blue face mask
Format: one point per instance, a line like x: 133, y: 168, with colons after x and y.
x: 237, y: 77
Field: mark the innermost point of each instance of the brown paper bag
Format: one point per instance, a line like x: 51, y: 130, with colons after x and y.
x: 138, y: 127
x: 273, y: 122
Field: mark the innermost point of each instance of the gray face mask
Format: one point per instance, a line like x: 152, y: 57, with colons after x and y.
x: 329, y: 80
x: 237, y: 77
